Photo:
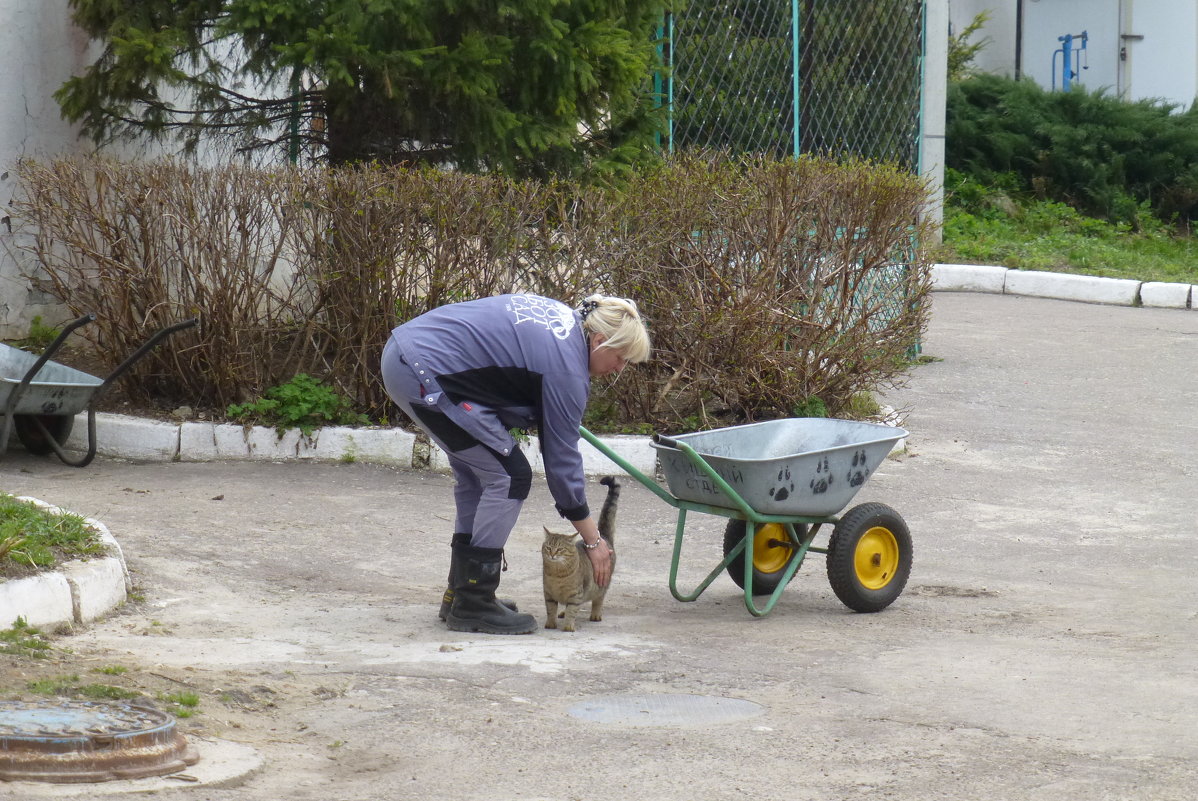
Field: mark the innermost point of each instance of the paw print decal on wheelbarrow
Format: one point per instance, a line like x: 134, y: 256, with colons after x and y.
x: 858, y: 472
x: 785, y: 486
x: 823, y: 477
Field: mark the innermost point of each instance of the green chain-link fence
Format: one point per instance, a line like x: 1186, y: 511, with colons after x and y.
x: 784, y: 77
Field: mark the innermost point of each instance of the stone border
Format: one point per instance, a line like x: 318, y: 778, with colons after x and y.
x: 125, y: 437
x: 1063, y: 286
x: 79, y: 591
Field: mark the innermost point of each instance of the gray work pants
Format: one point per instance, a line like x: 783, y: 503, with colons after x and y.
x: 490, y: 487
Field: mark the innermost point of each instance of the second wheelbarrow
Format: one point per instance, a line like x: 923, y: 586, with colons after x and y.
x: 39, y: 398
x: 779, y: 482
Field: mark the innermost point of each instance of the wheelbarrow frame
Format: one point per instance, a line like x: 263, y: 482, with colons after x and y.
x: 801, y: 544
x: 92, y: 392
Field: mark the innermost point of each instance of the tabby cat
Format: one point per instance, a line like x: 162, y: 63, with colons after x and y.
x: 568, y: 577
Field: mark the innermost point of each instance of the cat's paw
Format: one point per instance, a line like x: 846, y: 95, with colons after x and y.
x: 551, y: 623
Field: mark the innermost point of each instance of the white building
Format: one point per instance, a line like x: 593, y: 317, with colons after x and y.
x: 1134, y: 49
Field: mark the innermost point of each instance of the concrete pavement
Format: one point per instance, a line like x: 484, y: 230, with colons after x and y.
x: 1043, y: 649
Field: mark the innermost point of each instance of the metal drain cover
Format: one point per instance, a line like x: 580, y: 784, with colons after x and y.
x: 88, y: 741
x: 664, y: 710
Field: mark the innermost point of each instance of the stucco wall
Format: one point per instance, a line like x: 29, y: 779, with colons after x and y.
x: 39, y: 49
x: 998, y: 56
x: 1165, y: 62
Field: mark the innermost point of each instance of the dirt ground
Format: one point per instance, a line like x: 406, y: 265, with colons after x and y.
x: 1044, y: 647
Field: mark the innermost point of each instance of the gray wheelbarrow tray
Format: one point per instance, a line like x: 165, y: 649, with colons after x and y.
x: 779, y: 482
x: 39, y: 398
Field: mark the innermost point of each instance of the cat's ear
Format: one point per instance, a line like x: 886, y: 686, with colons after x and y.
x: 547, y: 531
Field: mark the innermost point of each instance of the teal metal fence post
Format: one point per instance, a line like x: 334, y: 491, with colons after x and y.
x: 794, y: 74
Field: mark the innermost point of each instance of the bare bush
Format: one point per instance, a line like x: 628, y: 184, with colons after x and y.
x: 765, y: 282
x: 769, y: 283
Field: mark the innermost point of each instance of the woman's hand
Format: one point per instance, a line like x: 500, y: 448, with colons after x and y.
x: 600, y: 557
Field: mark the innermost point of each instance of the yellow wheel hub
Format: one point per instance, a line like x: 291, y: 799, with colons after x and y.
x: 771, y: 548
x: 876, y: 558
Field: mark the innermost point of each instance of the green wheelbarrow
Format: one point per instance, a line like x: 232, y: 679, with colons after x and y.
x: 779, y: 483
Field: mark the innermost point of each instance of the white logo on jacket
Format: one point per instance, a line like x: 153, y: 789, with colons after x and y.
x: 555, y: 316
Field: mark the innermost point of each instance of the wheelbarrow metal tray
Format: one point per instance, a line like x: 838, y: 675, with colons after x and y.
x: 805, y: 467
x: 56, y: 389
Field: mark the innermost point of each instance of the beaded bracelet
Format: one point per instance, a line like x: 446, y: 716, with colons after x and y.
x: 593, y: 545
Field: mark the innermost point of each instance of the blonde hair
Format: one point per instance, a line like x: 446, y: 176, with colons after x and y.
x: 618, y: 320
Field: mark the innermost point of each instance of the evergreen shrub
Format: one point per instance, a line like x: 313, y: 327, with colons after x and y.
x: 1104, y: 156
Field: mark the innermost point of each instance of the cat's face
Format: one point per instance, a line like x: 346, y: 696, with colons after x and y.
x: 558, y: 548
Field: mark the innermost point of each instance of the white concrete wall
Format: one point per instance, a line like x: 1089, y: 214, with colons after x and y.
x: 998, y: 56
x: 1164, y: 64
x: 39, y: 49
x: 1047, y: 20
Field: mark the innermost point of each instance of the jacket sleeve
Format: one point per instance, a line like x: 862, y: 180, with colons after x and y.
x: 563, y: 400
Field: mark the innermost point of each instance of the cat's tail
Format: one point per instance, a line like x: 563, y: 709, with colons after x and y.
x: 607, y: 517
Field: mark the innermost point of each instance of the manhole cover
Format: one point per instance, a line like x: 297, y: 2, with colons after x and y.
x: 664, y: 710
x: 88, y: 741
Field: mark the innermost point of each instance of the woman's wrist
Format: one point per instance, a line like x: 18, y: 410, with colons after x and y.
x: 593, y: 545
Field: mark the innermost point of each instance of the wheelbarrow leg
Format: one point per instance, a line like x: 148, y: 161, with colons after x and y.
x: 58, y: 449
x: 795, y: 561
x: 720, y: 568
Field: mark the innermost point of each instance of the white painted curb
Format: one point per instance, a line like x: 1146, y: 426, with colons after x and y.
x: 1062, y: 286
x: 80, y: 591
x: 124, y: 437
x: 1169, y: 296
x: 968, y: 278
x: 636, y: 450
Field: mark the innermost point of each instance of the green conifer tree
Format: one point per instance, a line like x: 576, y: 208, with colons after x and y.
x: 523, y: 86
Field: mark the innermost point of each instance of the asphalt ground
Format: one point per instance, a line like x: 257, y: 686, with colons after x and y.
x: 1044, y: 648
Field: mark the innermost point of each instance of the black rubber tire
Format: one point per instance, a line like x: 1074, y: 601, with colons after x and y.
x: 57, y: 425
x: 869, y: 557
x: 764, y: 581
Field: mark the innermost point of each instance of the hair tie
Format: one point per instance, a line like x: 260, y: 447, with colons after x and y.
x: 587, y: 307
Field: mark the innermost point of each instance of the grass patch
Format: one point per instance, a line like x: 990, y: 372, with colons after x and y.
x: 24, y: 640
x: 113, y: 670
x: 70, y: 686
x: 105, y: 692
x: 32, y: 538
x: 989, y: 228
x: 181, y: 704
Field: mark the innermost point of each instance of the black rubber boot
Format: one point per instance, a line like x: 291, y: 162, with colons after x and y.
x: 460, y: 538
x: 474, y: 606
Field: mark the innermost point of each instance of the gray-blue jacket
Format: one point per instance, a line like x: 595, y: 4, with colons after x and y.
x: 509, y: 361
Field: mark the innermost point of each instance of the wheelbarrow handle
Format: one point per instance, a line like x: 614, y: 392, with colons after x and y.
x: 666, y: 441
x: 150, y: 344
